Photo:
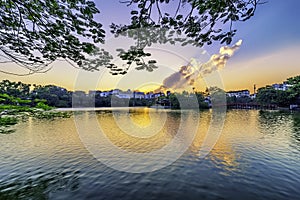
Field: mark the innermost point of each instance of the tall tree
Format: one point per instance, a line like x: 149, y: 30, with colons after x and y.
x: 294, y: 89
x: 268, y: 95
x: 15, y: 89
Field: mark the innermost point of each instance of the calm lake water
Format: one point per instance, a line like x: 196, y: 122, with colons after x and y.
x: 257, y: 156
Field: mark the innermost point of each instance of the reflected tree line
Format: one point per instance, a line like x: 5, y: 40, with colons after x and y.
x: 282, y: 117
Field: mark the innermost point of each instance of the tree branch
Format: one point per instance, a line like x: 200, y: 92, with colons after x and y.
x: 159, y: 11
x: 178, y: 7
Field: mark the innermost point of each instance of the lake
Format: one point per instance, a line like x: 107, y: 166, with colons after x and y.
x: 144, y: 153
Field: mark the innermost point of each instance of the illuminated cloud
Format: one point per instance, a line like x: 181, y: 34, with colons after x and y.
x: 230, y: 50
x: 188, y: 75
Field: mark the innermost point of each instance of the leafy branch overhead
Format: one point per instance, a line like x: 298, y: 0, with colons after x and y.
x: 193, y: 22
x: 34, y: 33
x: 199, y: 20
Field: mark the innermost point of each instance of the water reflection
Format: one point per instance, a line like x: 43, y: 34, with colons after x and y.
x: 142, y: 120
x: 296, y: 131
x: 255, y: 157
x: 283, y: 125
x: 43, y: 187
x: 222, y: 153
x: 273, y: 118
x: 124, y: 139
x: 296, y: 125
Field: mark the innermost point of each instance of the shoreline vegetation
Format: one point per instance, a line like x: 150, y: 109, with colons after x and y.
x: 12, y: 114
x: 19, y: 101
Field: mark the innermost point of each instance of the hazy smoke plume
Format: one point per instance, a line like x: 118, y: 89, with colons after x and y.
x: 188, y: 75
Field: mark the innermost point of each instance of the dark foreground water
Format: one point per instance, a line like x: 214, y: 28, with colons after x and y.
x: 257, y: 156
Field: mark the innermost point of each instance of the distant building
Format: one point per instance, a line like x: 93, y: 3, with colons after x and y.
x: 104, y: 94
x: 149, y: 95
x: 159, y: 94
x: 139, y: 95
x: 115, y: 91
x: 281, y: 86
x: 208, y: 100
x: 129, y: 94
x: 253, y: 96
x: 239, y: 93
x: 125, y: 95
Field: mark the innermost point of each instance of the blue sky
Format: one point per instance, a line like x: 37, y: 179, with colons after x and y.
x: 269, y: 53
x: 275, y: 25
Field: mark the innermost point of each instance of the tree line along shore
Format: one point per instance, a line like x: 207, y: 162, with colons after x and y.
x: 19, y: 101
x: 18, y: 94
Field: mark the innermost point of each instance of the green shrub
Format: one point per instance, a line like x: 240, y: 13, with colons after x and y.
x: 8, y: 121
x: 43, y: 106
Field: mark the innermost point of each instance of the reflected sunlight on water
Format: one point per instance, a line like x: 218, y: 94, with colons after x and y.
x: 256, y: 156
x: 142, y: 119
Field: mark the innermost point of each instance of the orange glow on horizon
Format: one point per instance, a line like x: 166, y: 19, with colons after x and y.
x: 274, y: 67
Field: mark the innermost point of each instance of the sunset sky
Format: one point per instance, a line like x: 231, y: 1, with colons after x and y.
x: 269, y: 53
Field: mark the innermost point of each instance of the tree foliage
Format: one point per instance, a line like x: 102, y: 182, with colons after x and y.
x: 294, y: 88
x: 199, y: 20
x: 16, y: 89
x: 34, y: 33
x: 53, y: 95
x: 268, y: 95
x: 194, y: 22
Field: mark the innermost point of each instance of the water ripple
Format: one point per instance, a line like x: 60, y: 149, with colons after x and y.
x: 256, y: 157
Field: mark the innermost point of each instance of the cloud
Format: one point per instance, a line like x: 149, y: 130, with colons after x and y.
x: 230, y: 50
x: 188, y: 75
